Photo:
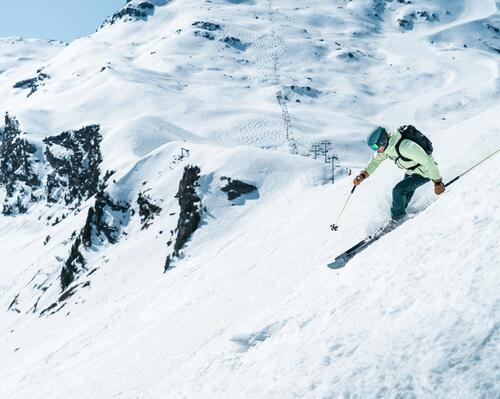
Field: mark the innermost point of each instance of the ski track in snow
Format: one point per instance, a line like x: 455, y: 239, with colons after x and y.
x: 250, y: 309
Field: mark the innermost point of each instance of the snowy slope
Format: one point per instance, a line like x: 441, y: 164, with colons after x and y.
x: 249, y: 309
x: 26, y: 53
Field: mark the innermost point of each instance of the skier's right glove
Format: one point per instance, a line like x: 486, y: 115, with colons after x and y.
x: 439, y: 187
x: 359, y: 178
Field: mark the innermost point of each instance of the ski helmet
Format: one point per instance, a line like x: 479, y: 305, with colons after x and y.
x: 378, y: 138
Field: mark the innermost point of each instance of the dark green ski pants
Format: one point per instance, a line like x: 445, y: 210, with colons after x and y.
x: 403, y: 192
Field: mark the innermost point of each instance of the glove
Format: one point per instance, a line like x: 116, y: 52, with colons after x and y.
x: 439, y: 187
x: 359, y: 178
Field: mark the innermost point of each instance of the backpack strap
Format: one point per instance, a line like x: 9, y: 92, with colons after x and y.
x: 402, y: 157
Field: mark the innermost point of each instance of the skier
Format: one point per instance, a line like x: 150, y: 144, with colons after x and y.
x: 417, y: 162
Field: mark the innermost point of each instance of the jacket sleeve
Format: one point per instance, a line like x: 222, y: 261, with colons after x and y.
x: 417, y: 153
x: 376, y: 160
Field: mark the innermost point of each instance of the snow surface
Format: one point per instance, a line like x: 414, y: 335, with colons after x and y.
x: 250, y: 310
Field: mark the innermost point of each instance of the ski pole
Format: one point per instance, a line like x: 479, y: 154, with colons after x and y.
x: 472, y: 167
x: 335, y: 226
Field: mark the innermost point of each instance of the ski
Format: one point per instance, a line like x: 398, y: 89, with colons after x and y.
x: 341, y: 260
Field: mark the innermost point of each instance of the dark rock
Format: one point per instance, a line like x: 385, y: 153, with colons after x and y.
x: 132, y: 12
x: 65, y: 295
x: 147, y: 210
x: 73, y: 265
x: 48, y: 309
x: 75, y: 157
x: 13, y: 304
x: 69, y: 293
x: 25, y: 84
x: 17, y: 164
x: 305, y: 91
x: 207, y: 26
x: 190, y: 212
x: 430, y: 17
x: 189, y: 216
x: 235, y: 43
x: 206, y: 35
x: 104, y: 221
x: 349, y: 56
x: 168, y: 261
x: 33, y: 84
x: 406, y: 23
x: 236, y: 188
x: 493, y: 28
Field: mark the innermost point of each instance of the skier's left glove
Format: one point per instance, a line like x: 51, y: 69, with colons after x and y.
x: 439, y: 187
x: 359, y: 178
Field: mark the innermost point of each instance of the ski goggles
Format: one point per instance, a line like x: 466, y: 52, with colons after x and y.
x: 381, y: 142
x: 376, y: 147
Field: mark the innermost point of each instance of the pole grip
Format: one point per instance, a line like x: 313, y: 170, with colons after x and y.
x: 353, y: 188
x: 452, y: 181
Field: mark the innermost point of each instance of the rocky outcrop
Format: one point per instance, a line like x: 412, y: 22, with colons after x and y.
x: 305, y: 91
x: 407, y: 22
x: 133, y: 11
x: 75, y: 158
x: 72, y: 167
x: 32, y: 84
x: 236, y: 188
x: 73, y: 265
x: 14, y: 304
x: 104, y: 221
x: 207, y: 29
x: 71, y: 173
x: 147, y: 210
x: 210, y: 26
x: 206, y: 35
x: 72, y: 170
x: 235, y: 43
x: 189, y: 216
x: 17, y: 169
x: 190, y: 213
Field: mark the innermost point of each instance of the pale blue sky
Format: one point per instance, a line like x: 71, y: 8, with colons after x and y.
x: 63, y: 20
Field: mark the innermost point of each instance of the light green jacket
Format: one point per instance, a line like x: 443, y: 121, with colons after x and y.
x: 428, y: 167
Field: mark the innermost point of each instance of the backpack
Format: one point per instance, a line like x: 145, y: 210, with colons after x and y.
x: 409, y: 132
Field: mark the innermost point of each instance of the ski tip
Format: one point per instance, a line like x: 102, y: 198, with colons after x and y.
x: 338, y: 263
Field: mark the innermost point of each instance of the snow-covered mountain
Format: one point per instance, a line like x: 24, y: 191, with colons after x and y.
x: 166, y: 203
